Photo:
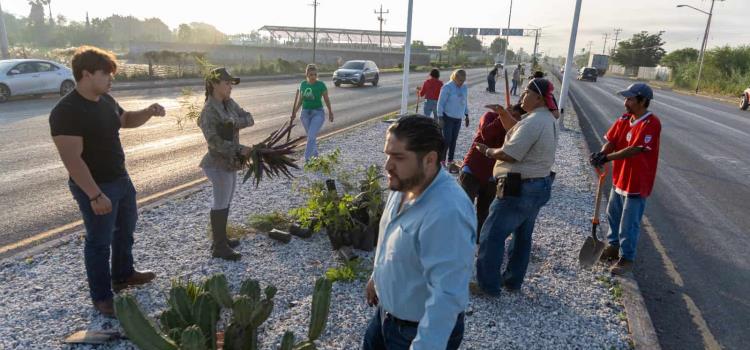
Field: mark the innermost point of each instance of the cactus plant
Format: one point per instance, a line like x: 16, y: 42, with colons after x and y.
x: 287, y: 341
x: 321, y: 303
x: 139, y: 328
x: 218, y: 286
x: 207, y: 313
x: 251, y: 288
x: 192, y: 339
x: 199, y: 305
x: 320, y: 306
x: 181, y: 302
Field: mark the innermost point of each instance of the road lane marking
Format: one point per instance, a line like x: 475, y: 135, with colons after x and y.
x: 709, y: 341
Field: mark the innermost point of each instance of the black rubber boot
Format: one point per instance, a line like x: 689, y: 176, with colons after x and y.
x: 232, y: 243
x: 220, y: 247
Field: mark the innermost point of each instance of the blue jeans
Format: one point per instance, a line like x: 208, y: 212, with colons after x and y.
x: 113, y: 230
x: 510, y: 215
x: 514, y: 87
x: 451, y: 127
x: 491, y: 84
x: 430, y: 109
x: 312, y: 121
x: 384, y: 333
x: 624, y: 215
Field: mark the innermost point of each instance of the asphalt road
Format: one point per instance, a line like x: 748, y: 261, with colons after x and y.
x: 159, y: 156
x: 693, y: 265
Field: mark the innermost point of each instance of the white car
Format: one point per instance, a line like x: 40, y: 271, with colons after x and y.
x: 34, y: 77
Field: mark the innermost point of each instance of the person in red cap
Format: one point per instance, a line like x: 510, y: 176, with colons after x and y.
x: 476, y: 174
x: 633, y: 147
x: 523, y: 170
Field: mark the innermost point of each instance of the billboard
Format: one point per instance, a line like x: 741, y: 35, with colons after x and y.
x: 512, y: 32
x: 489, y: 31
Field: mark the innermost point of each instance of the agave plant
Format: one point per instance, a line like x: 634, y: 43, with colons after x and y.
x: 271, y: 156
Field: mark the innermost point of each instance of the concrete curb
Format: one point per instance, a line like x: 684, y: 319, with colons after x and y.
x: 640, y: 327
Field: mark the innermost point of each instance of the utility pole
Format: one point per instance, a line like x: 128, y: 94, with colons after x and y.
x: 604, y: 48
x: 381, y: 19
x: 507, y: 42
x: 569, y: 62
x: 3, y: 37
x: 617, y: 36
x: 315, y: 5
x: 710, y: 14
x: 590, y: 43
x: 534, y: 60
x: 407, y: 61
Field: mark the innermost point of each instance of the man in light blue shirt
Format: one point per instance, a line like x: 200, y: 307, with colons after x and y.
x: 453, y: 105
x: 423, y: 262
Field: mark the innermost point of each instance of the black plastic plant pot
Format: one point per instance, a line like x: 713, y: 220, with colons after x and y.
x: 301, y: 232
x: 331, y: 185
x: 336, y: 238
x: 367, y: 239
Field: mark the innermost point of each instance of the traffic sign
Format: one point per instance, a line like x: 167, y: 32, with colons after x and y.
x: 512, y: 32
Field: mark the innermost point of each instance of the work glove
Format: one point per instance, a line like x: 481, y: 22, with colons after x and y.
x: 598, y: 159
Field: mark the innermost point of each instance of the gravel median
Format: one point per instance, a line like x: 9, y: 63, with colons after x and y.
x: 45, y: 297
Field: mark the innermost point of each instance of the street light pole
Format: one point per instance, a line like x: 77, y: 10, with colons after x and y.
x: 3, y: 37
x: 705, y: 41
x: 407, y: 61
x: 569, y: 61
x: 507, y: 30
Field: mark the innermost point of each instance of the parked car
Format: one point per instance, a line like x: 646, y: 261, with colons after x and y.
x: 587, y: 73
x: 745, y: 99
x: 357, y: 72
x: 34, y: 77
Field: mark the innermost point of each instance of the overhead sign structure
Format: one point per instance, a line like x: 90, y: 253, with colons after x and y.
x: 489, y: 31
x: 512, y: 32
x: 466, y: 31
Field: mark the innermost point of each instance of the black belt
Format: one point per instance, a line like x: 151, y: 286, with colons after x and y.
x: 406, y: 323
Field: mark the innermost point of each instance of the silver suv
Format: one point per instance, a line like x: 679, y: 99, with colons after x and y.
x: 34, y: 77
x: 357, y: 73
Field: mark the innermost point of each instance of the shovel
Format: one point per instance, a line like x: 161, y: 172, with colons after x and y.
x: 592, y: 248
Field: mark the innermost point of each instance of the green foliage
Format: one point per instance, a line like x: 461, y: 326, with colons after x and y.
x: 346, y: 213
x: 498, y: 45
x: 267, y: 222
x: 726, y: 70
x: 348, y: 272
x: 325, y: 165
x: 679, y: 57
x: 642, y: 50
x: 189, y: 108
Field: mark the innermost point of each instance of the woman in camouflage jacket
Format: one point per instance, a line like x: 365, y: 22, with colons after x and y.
x: 221, y: 120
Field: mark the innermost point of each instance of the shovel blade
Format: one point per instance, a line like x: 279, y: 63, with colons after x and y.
x: 590, y: 252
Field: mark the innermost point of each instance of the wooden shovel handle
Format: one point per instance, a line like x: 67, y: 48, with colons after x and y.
x: 602, y: 172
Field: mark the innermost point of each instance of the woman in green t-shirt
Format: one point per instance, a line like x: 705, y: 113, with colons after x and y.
x: 310, y: 92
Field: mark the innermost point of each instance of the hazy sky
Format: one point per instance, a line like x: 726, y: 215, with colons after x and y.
x: 432, y: 19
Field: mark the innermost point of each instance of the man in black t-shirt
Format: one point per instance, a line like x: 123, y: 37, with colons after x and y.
x: 85, y: 127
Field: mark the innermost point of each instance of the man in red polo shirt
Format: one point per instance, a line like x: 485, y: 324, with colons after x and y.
x: 476, y: 175
x: 430, y: 91
x: 633, y: 147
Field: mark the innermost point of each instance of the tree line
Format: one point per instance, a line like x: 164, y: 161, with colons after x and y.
x: 40, y: 29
